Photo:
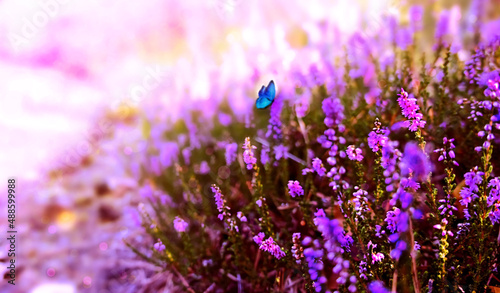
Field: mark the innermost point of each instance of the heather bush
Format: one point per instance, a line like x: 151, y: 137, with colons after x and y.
x: 373, y: 170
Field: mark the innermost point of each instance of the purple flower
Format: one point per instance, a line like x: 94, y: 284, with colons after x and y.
x: 204, y: 168
x: 302, y: 105
x: 415, y: 162
x: 409, y: 109
x: 274, y: 127
x: 317, y: 166
x: 488, y: 78
x: 264, y: 155
x: 169, y: 151
x: 336, y: 242
x: 294, y: 188
x: 334, y: 110
x: 397, y: 220
x: 409, y: 183
x: 220, y: 202
x: 493, y: 200
x: 404, y: 38
x: 280, y: 151
x: 259, y: 238
x: 354, y: 153
x: 146, y: 192
x: 377, y: 287
x: 493, y: 83
x: 231, y: 149
x: 314, y: 259
x: 472, y: 179
x: 378, y: 139
x: 400, y: 247
x: 248, y: 155
x: 415, y: 14
x: 392, y: 219
x: 377, y: 257
x: 443, y: 24
x: 224, y: 119
x: 159, y: 246
x: 297, y: 250
x: 270, y: 246
x: 241, y: 216
x: 180, y: 225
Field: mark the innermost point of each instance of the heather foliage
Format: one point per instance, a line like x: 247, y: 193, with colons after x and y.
x: 374, y: 172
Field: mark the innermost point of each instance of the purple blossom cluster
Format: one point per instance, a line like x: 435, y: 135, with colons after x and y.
x: 274, y: 127
x: 317, y: 166
x: 220, y: 202
x: 447, y: 153
x: 493, y: 200
x: 409, y: 109
x: 360, y: 203
x: 378, y: 137
x: 231, y: 153
x: 159, y: 246
x: 415, y: 162
x: 354, y: 153
x: 391, y: 156
x: 472, y: 180
x: 473, y: 65
x: 294, y: 188
x: 297, y: 249
x: 248, y: 155
x: 442, y: 227
x: 314, y: 259
x: 336, y: 243
x: 269, y: 245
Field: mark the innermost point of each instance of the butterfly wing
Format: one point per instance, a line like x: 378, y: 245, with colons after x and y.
x: 262, y: 91
x: 266, y: 96
x: 270, y: 91
x: 262, y: 103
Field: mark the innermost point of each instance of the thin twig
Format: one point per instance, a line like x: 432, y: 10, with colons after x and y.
x: 183, y: 281
x: 293, y: 283
x: 414, y: 274
x: 395, y: 281
x: 210, y: 289
x: 256, y: 260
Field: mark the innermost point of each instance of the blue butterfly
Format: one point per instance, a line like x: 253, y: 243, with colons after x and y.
x: 266, y: 96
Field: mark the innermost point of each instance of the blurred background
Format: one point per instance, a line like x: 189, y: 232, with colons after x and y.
x: 81, y: 78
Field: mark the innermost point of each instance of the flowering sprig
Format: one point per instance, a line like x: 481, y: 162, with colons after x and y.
x: 409, y: 110
x: 354, y: 154
x: 297, y: 249
x: 378, y: 137
x: 248, y: 155
x: 269, y: 245
x: 447, y: 153
x: 231, y: 149
x: 314, y: 259
x: 336, y: 243
x: 294, y: 188
x: 493, y: 200
x: 224, y: 210
x: 473, y: 179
